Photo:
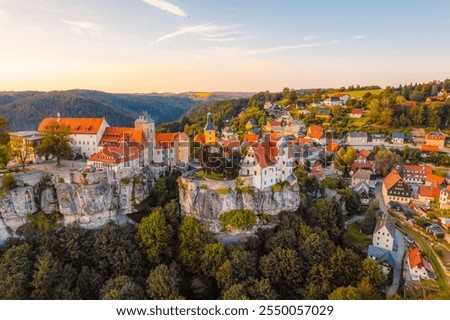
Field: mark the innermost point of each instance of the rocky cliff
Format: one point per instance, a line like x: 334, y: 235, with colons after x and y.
x: 88, y: 199
x: 208, y: 199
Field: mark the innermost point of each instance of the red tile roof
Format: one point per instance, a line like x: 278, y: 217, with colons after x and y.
x: 117, y: 154
x: 429, y: 148
x: 356, y: 111
x: 264, y: 154
x: 75, y: 125
x: 274, y: 123
x: 391, y: 179
x: 415, y: 258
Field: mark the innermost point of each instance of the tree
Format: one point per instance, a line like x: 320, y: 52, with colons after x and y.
x: 5, y: 156
x: 374, y: 110
x: 235, y: 292
x: 193, y: 237
x: 155, y: 236
x: 345, y: 293
x: 9, y: 182
x: 121, y: 288
x: 283, y: 268
x: 261, y: 290
x: 212, y: 258
x: 344, y: 264
x: 56, y: 141
x: 327, y: 214
x: 4, y: 130
x: 373, y: 273
x: 21, y: 150
x: 240, y: 266
x: 16, y: 268
x: 163, y: 283
x: 385, y: 161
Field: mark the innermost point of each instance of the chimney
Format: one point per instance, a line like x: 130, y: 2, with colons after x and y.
x: 58, y: 117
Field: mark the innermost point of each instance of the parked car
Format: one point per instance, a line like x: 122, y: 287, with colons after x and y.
x: 77, y: 157
x: 409, y: 240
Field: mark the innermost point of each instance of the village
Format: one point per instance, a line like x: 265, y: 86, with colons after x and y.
x: 269, y: 156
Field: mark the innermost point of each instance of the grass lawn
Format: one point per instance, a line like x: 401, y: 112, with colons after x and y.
x: 360, y: 93
x: 356, y: 238
x: 442, y: 279
x: 358, y: 122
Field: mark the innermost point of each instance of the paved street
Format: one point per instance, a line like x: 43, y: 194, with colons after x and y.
x: 398, y: 268
x: 379, y: 197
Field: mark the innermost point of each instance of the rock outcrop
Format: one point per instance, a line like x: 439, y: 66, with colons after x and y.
x: 208, y: 199
x: 88, y: 199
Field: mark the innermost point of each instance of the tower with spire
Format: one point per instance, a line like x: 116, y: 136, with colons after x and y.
x: 145, y: 123
x: 210, y: 131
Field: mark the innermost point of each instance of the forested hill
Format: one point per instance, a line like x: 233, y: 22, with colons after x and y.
x: 24, y: 110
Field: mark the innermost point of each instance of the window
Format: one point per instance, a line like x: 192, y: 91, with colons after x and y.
x: 254, y: 172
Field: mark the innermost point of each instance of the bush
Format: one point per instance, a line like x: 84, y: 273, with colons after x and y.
x: 204, y: 187
x: 61, y: 180
x: 237, y: 219
x: 126, y: 181
x: 223, y: 191
x: 137, y: 180
x: 9, y: 182
x: 279, y: 186
x: 181, y: 184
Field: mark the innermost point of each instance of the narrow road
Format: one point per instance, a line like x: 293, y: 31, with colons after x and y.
x: 399, y: 245
x: 353, y: 219
x: 398, y: 268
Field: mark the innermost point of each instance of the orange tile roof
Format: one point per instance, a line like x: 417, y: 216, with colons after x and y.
x: 315, y: 129
x: 391, y: 179
x: 200, y: 138
x: 415, y: 258
x: 357, y: 165
x: 340, y: 95
x: 435, y: 136
x: 166, y: 140
x: 304, y: 139
x: 250, y: 137
x: 119, y: 153
x: 424, y: 168
x: 364, y: 153
x: 274, y: 123
x: 75, y: 125
x: 429, y: 148
x: 434, y: 178
x: 432, y: 191
x: 117, y: 134
x: 333, y: 147
x: 356, y: 111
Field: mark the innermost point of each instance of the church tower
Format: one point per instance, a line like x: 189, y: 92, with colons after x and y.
x: 210, y: 131
x: 145, y: 123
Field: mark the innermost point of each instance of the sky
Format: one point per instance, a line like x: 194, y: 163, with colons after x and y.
x: 144, y: 46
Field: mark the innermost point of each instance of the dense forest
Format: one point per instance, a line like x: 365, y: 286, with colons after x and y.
x: 24, y: 110
x: 170, y: 256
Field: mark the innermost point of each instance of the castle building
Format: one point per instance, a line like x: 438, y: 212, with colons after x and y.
x: 210, y: 131
x: 85, y: 133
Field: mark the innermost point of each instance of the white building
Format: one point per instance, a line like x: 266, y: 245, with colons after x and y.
x: 172, y: 149
x: 85, y: 133
x: 260, y: 163
x: 383, y: 236
x: 419, y: 268
x: 357, y: 138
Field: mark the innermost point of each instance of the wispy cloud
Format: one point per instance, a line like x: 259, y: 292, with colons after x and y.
x: 309, y: 38
x: 239, y: 52
x: 358, y: 37
x: 80, y: 27
x: 166, y: 6
x: 207, y: 31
